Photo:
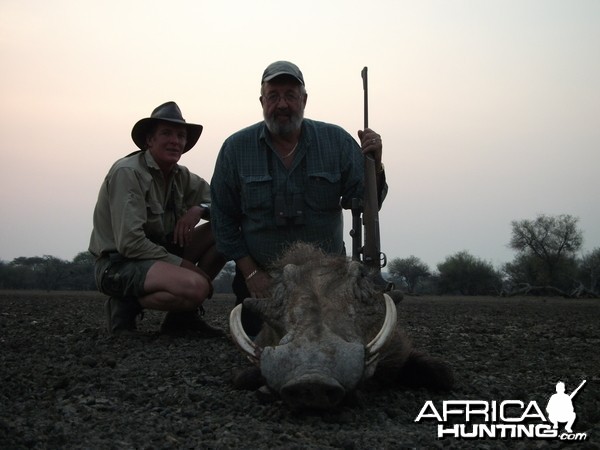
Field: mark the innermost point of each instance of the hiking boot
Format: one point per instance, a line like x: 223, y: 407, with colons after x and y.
x: 121, y: 314
x: 181, y: 323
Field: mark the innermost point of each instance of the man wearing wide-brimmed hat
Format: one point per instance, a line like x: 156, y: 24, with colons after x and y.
x: 150, y: 250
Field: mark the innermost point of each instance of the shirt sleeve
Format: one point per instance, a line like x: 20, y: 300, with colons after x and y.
x: 128, y: 216
x: 226, y: 207
x: 196, y: 191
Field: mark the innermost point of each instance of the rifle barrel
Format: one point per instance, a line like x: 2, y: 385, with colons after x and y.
x: 363, y: 74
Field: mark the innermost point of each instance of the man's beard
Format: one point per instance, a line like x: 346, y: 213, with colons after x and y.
x: 284, y: 129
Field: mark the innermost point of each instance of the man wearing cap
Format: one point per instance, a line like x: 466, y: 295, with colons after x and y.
x: 150, y: 251
x: 285, y: 179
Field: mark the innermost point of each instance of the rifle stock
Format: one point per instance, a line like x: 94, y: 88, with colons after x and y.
x: 372, y: 247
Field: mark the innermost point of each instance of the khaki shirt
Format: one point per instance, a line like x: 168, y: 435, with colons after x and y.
x: 138, y: 208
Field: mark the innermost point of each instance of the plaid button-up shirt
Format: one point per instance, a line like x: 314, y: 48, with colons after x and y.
x: 259, y: 207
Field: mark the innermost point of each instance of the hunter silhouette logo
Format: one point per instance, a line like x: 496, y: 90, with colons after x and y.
x: 505, y: 419
x: 560, y: 407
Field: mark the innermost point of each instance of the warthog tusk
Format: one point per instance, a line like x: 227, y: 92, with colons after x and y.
x: 240, y: 337
x: 388, y: 327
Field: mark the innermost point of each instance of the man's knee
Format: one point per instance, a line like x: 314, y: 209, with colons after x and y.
x: 198, y: 289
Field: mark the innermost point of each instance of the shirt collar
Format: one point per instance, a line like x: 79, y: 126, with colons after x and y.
x: 151, y: 162
x: 265, y: 134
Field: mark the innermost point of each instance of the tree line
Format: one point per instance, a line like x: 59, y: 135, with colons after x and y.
x: 546, y: 262
x: 54, y: 274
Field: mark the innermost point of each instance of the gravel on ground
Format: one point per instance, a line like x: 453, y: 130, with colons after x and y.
x: 64, y: 384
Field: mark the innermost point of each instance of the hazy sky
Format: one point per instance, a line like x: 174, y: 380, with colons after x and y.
x: 489, y: 110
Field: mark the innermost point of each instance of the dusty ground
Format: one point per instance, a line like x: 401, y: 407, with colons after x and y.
x: 64, y: 384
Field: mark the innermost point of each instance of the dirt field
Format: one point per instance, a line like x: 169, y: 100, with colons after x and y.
x: 65, y: 385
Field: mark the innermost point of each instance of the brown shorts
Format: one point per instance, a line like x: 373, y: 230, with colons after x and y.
x: 122, y: 277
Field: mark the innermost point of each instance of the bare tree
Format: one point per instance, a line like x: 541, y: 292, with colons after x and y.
x: 409, y: 270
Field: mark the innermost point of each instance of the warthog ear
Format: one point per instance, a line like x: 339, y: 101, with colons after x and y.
x: 355, y: 269
x: 289, y: 271
x: 362, y: 286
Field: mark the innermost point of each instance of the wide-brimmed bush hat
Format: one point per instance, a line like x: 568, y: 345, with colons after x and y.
x: 168, y: 112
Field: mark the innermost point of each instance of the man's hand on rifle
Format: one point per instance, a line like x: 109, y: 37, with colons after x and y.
x: 371, y: 144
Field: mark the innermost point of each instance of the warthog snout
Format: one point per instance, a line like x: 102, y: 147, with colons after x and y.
x: 313, y: 391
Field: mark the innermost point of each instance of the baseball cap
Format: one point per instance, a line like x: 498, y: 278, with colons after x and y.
x: 282, y: 68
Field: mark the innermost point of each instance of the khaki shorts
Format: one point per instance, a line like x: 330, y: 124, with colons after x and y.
x: 122, y: 277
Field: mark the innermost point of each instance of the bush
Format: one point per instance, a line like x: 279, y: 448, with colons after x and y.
x: 464, y: 274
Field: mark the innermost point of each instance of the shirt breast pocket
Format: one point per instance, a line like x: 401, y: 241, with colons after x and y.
x: 323, y: 191
x: 155, y: 209
x: 256, y: 193
x: 155, y: 226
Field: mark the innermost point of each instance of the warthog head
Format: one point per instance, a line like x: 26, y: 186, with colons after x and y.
x: 324, y: 328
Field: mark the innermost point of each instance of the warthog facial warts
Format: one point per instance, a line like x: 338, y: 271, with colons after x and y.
x: 326, y: 330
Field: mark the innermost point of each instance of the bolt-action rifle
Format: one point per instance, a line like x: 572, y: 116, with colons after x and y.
x: 370, y: 254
